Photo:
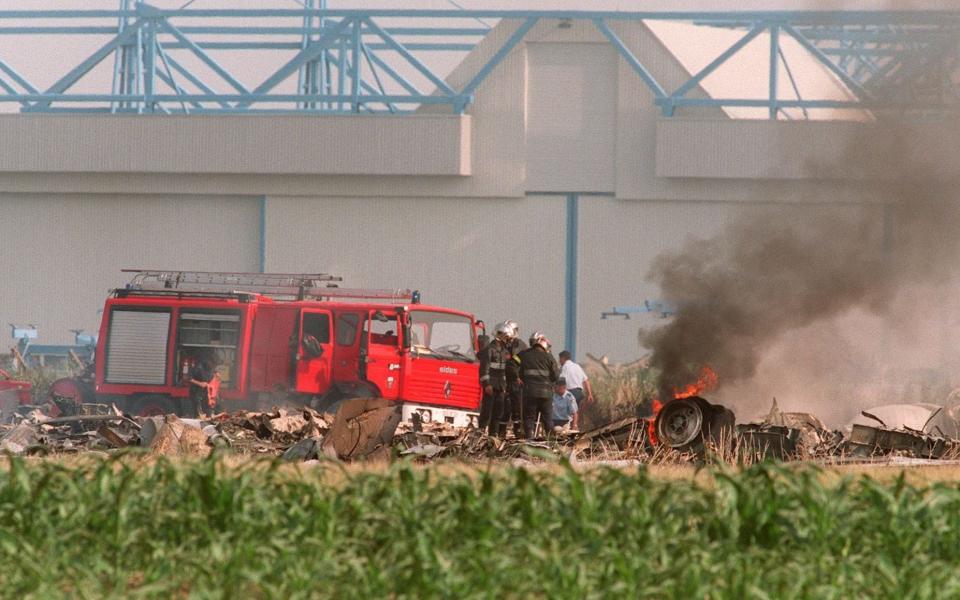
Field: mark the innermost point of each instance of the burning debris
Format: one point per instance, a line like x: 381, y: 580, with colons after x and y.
x: 797, y: 297
x: 690, y: 423
x: 687, y: 428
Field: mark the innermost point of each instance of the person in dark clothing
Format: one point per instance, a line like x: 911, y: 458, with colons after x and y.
x: 483, y: 420
x: 200, y: 377
x: 493, y: 363
x: 514, y: 385
x: 538, y: 372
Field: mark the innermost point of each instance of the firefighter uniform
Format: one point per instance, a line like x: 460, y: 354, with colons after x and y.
x: 539, y: 372
x: 200, y: 395
x: 514, y: 389
x: 493, y: 363
x: 483, y: 422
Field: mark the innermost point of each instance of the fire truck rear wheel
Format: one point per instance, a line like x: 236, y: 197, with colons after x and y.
x: 154, y: 405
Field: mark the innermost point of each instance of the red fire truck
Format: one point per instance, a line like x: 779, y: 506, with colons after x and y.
x: 284, y: 339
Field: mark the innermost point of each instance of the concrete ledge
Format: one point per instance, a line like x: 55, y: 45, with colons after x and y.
x: 761, y: 149
x: 237, y: 144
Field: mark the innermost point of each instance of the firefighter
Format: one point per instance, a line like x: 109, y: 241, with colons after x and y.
x: 483, y: 340
x: 201, y: 375
x: 493, y: 363
x: 514, y: 385
x: 539, y: 372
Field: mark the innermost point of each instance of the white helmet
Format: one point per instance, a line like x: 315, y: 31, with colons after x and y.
x: 514, y: 328
x: 503, y: 331
x: 538, y: 338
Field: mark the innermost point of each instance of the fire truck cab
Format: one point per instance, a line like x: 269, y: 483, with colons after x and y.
x: 282, y: 339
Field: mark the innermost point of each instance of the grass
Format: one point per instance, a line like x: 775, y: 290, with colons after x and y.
x: 134, y: 528
x: 620, y: 391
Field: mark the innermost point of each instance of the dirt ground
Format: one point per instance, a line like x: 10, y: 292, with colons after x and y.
x: 918, y: 473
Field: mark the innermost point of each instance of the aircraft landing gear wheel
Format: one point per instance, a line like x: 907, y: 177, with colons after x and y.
x: 680, y: 423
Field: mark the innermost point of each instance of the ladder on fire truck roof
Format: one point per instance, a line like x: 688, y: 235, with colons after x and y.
x: 299, y: 286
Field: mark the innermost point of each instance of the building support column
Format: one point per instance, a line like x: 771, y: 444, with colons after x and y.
x: 263, y: 234
x: 570, y: 299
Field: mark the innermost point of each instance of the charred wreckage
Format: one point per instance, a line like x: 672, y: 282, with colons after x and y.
x: 373, y: 429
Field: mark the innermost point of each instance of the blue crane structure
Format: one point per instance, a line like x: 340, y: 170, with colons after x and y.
x: 660, y: 308
x: 377, y: 61
x: 32, y: 354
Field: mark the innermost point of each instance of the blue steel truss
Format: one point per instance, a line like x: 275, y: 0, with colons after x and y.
x: 350, y: 61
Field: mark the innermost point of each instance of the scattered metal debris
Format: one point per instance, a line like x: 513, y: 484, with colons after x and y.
x: 787, y: 436
x: 112, y: 437
x: 19, y: 439
x: 763, y: 441
x: 179, y: 438
x: 370, y: 429
x: 305, y: 449
x: 865, y: 441
x: 928, y: 419
x: 363, y: 427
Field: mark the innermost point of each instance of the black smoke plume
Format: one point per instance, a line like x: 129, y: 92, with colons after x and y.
x: 784, y: 267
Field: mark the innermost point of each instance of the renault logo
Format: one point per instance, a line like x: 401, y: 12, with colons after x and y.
x: 447, y: 390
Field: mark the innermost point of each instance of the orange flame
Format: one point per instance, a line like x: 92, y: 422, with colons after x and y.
x: 706, y: 382
x: 652, y: 423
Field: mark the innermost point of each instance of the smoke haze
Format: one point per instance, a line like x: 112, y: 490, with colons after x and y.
x: 817, y: 301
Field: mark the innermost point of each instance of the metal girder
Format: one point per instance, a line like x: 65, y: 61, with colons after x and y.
x: 313, y: 51
x: 715, y: 63
x: 84, y: 67
x: 730, y: 18
x: 378, y: 60
x: 632, y: 60
x: 405, y: 53
x: 774, y: 69
x: 206, y: 58
x: 19, y: 79
x: 499, y: 55
x: 819, y: 55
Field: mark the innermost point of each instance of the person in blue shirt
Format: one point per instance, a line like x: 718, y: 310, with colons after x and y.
x: 565, y: 409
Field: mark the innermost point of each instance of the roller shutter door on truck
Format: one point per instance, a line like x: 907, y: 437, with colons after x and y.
x: 137, y: 347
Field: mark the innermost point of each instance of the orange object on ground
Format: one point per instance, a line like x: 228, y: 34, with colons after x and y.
x: 213, y: 390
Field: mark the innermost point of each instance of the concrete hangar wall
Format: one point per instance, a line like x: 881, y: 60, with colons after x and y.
x: 546, y: 202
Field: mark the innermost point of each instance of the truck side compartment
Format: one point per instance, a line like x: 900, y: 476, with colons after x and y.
x: 270, y: 349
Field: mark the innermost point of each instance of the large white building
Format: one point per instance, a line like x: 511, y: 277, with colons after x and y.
x: 545, y: 201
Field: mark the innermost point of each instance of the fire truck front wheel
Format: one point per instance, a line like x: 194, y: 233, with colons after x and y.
x: 153, y: 405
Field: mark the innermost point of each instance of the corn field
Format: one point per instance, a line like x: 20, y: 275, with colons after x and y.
x: 125, y: 528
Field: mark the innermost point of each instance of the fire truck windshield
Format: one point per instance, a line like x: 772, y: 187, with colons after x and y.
x: 442, y: 335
